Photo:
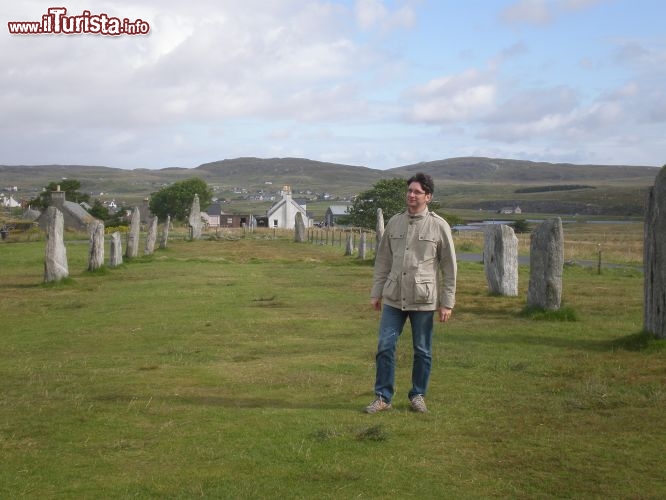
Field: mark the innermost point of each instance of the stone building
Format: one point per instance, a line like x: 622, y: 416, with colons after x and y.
x: 74, y: 215
x: 217, y: 218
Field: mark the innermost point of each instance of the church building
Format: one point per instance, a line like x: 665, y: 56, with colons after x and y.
x: 283, y: 213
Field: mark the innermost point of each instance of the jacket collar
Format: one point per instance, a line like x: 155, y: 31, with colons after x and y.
x: 419, y: 215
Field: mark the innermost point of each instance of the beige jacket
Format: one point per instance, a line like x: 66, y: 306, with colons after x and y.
x: 415, y: 264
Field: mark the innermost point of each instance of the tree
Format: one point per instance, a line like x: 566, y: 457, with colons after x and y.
x: 99, y: 211
x: 387, y: 194
x: 521, y: 226
x: 175, y: 200
x: 118, y: 219
x: 69, y: 186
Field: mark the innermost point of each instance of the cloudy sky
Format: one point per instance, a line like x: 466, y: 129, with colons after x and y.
x: 377, y: 83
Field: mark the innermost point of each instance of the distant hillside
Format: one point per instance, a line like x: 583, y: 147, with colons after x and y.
x: 469, y: 183
x: 491, y: 184
x: 94, y: 179
x: 299, y: 173
x: 496, y: 170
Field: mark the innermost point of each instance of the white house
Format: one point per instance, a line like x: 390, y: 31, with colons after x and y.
x: 10, y: 202
x: 510, y: 210
x: 283, y: 213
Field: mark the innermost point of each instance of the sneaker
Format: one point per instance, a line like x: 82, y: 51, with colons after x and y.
x: 418, y: 404
x: 378, y: 405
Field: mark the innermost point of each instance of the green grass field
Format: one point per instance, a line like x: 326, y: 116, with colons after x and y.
x: 238, y: 368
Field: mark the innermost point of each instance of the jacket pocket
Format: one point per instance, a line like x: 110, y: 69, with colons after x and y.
x: 426, y: 248
x: 391, y: 289
x: 424, y: 290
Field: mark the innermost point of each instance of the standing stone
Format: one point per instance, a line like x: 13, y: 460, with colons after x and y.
x: 299, y: 228
x: 151, y: 237
x: 132, y: 249
x: 96, y: 247
x: 546, y: 265
x: 165, y: 232
x: 195, y: 219
x: 362, y: 246
x: 654, y: 259
x: 349, y: 246
x: 500, y: 260
x: 116, y: 253
x: 55, y: 262
x: 379, y: 228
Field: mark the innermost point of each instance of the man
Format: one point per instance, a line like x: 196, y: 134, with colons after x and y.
x: 414, y: 276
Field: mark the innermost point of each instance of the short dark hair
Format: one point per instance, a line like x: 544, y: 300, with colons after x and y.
x: 425, y: 180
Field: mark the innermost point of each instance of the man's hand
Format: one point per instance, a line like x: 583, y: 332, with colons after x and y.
x: 376, y: 303
x: 445, y: 314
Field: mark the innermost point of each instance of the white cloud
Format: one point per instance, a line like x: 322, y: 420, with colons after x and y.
x: 201, y: 62
x: 372, y: 14
x: 527, y: 11
x: 451, y: 98
x: 360, y: 81
x: 574, y: 5
x: 540, y: 12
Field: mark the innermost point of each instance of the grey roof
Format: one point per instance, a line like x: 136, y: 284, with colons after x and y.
x: 78, y: 211
x: 338, y: 209
x: 214, y: 209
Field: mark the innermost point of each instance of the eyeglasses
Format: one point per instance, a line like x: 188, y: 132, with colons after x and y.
x: 414, y: 192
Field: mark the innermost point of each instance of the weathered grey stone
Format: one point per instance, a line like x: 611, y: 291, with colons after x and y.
x: 379, y: 228
x: 55, y: 261
x: 654, y: 259
x: 500, y: 260
x: 299, y: 228
x: 165, y: 232
x: 132, y: 249
x: 116, y: 253
x: 349, y: 246
x: 96, y: 247
x: 195, y: 219
x: 151, y: 237
x: 362, y: 246
x: 546, y: 264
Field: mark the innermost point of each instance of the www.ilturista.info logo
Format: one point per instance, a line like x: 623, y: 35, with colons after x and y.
x: 57, y: 22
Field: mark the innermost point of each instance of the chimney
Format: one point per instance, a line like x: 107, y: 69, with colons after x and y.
x: 58, y: 198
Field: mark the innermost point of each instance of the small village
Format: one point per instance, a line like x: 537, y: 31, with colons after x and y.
x: 280, y: 215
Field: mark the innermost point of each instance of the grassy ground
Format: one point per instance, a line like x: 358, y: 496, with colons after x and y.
x: 238, y: 368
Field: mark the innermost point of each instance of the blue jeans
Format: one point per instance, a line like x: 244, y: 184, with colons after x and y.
x: 390, y: 328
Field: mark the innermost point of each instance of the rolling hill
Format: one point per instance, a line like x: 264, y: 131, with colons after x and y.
x: 469, y: 183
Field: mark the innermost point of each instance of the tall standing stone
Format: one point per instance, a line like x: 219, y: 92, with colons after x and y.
x: 151, y: 237
x: 165, y: 232
x: 349, y: 246
x: 195, y: 219
x: 96, y: 247
x: 299, y: 228
x: 362, y: 246
x: 132, y: 249
x: 55, y: 261
x: 379, y: 228
x: 116, y: 253
x: 654, y: 259
x: 546, y: 265
x: 500, y: 260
